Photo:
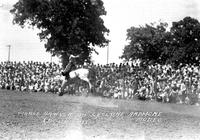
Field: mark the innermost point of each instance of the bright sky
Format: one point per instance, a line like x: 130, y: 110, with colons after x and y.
x: 121, y: 15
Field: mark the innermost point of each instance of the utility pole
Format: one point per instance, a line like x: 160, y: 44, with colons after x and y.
x: 9, y: 46
x: 107, y: 54
x: 51, y: 58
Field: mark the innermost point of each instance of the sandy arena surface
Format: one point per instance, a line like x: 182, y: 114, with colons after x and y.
x: 41, y: 116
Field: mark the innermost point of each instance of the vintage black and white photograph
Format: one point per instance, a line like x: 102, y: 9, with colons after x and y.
x: 99, y: 70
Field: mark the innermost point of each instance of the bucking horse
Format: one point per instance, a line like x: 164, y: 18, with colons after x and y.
x: 86, y: 74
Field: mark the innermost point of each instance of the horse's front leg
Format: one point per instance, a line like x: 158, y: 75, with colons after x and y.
x: 90, y: 86
x: 63, y: 86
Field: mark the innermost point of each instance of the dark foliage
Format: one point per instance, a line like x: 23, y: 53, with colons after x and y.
x: 154, y: 43
x: 68, y: 26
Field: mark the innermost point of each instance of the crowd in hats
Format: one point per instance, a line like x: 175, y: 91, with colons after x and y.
x: 123, y: 81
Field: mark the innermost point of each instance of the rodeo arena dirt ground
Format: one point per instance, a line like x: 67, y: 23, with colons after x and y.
x: 39, y: 116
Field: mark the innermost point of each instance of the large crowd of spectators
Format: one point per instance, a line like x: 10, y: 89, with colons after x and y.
x: 162, y: 82
x: 127, y: 81
x: 29, y: 76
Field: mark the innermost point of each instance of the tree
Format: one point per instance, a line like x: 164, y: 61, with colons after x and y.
x: 154, y: 43
x: 185, y: 43
x: 146, y: 43
x: 68, y: 26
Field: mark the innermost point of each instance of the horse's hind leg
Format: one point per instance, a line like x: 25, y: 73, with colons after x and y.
x: 90, y: 85
x: 63, y: 86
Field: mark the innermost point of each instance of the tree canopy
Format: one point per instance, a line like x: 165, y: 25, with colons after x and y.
x: 68, y: 26
x: 186, y: 41
x: 145, y: 42
x: 181, y: 44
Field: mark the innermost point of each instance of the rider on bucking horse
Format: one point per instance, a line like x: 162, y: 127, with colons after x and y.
x: 70, y: 66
